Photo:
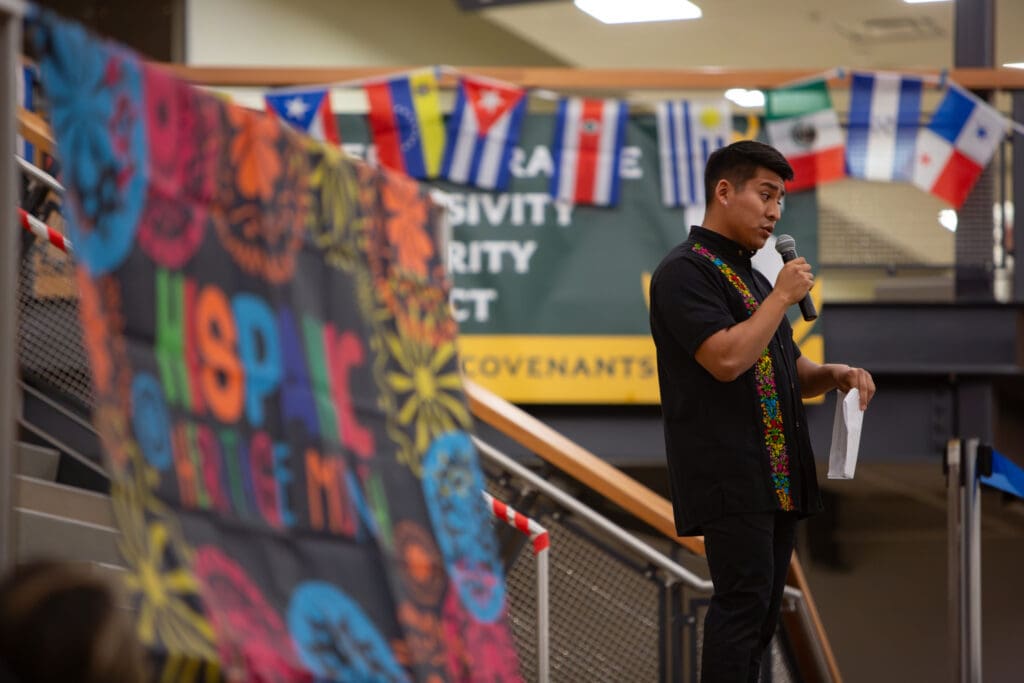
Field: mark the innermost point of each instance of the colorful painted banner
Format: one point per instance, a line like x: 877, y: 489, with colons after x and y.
x: 276, y: 386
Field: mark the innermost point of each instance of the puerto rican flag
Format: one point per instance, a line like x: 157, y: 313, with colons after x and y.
x: 589, y: 134
x: 881, y: 136
x: 956, y: 146
x: 309, y: 111
x: 483, y: 131
x: 688, y: 132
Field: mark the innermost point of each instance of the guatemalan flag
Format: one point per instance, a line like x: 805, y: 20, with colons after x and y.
x: 956, y: 146
x: 688, y: 132
x: 309, y: 111
x: 881, y: 136
x: 405, y: 119
x: 589, y: 134
x: 483, y: 130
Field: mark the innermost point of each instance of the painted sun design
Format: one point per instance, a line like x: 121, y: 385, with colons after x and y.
x: 158, y: 581
x: 426, y: 381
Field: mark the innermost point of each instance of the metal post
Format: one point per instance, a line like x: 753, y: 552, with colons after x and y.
x: 1018, y: 194
x: 11, y: 12
x: 543, y: 618
x: 970, y: 552
x: 953, y: 591
x: 974, y: 46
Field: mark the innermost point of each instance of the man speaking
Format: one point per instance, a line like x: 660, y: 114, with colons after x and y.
x: 731, y: 377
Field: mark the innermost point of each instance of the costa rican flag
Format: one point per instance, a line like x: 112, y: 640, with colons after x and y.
x: 688, y: 132
x: 588, y: 142
x: 309, y: 111
x: 483, y: 130
x: 956, y: 146
x: 882, y: 133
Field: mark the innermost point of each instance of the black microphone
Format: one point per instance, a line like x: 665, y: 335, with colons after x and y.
x: 786, y: 246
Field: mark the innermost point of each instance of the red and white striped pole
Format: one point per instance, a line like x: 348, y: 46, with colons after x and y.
x: 43, y: 231
x: 541, y: 543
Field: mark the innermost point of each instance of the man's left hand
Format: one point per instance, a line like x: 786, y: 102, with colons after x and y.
x: 848, y: 378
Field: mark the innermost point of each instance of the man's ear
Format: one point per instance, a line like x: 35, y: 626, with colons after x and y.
x: 723, y: 192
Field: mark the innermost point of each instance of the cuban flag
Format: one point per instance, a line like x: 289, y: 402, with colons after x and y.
x: 881, y: 135
x: 589, y: 134
x: 483, y: 130
x: 24, y: 83
x: 956, y: 146
x: 405, y: 119
x: 309, y: 111
x: 688, y: 132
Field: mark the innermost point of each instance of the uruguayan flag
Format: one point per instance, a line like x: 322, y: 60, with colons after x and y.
x: 882, y: 132
x: 688, y: 132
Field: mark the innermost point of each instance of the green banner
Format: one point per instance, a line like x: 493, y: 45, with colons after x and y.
x: 551, y: 299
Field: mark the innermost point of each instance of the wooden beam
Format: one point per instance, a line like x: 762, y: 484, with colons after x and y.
x: 32, y: 127
x: 578, y: 462
x: 564, y: 78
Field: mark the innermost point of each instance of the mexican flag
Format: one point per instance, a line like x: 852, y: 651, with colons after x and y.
x: 803, y: 126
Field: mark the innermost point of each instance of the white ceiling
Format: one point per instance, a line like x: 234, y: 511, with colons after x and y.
x: 762, y: 34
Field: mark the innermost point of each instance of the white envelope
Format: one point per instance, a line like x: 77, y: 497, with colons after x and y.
x: 842, y: 457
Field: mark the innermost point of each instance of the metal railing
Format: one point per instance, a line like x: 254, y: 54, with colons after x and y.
x: 11, y: 12
x: 968, y: 465
x: 621, y: 609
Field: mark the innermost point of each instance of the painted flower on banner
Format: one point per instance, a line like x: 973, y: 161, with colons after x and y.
x: 183, y: 127
x: 426, y: 381
x: 159, y: 582
x: 419, y: 563
x: 263, y: 200
x: 336, y: 639
x: 336, y: 218
x: 95, y: 98
x: 406, y: 208
x: 252, y: 639
x: 478, y: 651
x: 424, y: 645
x: 452, y: 483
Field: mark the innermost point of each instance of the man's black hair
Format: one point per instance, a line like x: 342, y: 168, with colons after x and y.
x: 738, y: 163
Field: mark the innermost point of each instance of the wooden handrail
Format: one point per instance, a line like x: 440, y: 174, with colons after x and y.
x: 629, y: 494
x: 568, y: 78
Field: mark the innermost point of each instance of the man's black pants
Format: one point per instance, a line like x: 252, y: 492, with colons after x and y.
x: 748, y: 556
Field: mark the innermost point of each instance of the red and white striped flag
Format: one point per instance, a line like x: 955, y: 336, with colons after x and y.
x: 589, y: 134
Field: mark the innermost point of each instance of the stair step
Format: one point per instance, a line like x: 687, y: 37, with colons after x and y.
x: 37, y: 461
x: 58, y: 500
x: 44, y: 535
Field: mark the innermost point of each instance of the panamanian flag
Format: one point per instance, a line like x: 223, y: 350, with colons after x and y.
x: 688, y: 132
x: 803, y: 126
x: 956, y: 146
x: 309, y: 111
x: 483, y: 131
x: 881, y: 135
x: 405, y: 120
x: 589, y: 134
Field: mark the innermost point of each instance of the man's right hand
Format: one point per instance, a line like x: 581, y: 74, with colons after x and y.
x: 794, y: 281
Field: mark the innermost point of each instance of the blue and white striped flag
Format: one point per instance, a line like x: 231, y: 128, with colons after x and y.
x: 688, y: 132
x: 882, y: 131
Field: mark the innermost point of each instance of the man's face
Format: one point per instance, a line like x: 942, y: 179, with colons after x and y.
x: 753, y: 209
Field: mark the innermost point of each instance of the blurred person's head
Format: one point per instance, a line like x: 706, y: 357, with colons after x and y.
x: 744, y: 184
x: 61, y: 624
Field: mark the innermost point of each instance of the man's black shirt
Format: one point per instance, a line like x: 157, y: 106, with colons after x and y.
x: 718, y: 461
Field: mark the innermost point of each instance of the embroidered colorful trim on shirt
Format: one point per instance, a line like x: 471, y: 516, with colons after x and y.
x: 764, y: 374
